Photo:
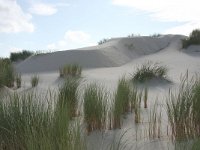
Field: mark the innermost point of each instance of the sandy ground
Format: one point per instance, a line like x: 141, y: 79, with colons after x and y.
x: 105, y: 64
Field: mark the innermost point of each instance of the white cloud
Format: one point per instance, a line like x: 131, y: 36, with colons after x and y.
x: 72, y: 40
x: 186, y: 12
x: 13, y: 19
x: 15, y: 49
x: 43, y: 9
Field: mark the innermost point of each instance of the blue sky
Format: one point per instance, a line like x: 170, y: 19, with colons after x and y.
x: 67, y: 24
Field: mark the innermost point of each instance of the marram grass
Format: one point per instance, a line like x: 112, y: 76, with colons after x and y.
x: 149, y: 71
x: 34, y: 80
x: 68, y: 95
x: 73, y: 70
x: 121, y: 104
x: 183, y: 110
x: 95, y: 107
x: 27, y: 124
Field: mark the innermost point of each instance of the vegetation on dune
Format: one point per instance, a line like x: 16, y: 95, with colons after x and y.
x: 6, y: 73
x: 102, y: 41
x: 193, y: 39
x: 137, y: 107
x: 34, y: 80
x: 183, y: 110
x: 121, y: 103
x: 145, y: 97
x: 95, y: 107
x: 133, y: 35
x: 17, y: 56
x: 149, y: 71
x: 68, y: 96
x: 155, y: 123
x: 156, y: 35
x: 73, y: 70
x: 18, y: 80
x: 27, y: 123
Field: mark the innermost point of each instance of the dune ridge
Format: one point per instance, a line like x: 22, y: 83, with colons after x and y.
x: 114, y: 53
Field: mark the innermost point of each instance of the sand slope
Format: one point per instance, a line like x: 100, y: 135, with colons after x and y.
x: 110, y: 61
x: 114, y: 53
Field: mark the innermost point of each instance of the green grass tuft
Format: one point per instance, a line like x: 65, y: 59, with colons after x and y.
x: 18, y: 80
x: 68, y: 96
x: 26, y: 123
x: 95, y: 107
x: 34, y: 80
x: 183, y: 110
x: 73, y: 70
x: 149, y: 71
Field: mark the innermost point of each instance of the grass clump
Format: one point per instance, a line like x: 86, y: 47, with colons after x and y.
x: 183, y: 110
x: 155, y: 120
x: 68, y: 96
x: 18, y: 80
x: 73, y: 70
x: 26, y: 123
x: 149, y: 71
x: 6, y: 73
x: 121, y: 102
x: 137, y: 107
x: 193, y: 39
x: 95, y: 107
x: 34, y: 80
x: 145, y: 97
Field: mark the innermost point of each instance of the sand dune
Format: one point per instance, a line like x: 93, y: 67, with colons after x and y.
x: 108, y: 62
x: 114, y: 53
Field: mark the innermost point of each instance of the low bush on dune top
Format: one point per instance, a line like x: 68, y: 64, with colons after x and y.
x: 102, y: 41
x: 16, y: 56
x: 149, y: 71
x: 193, y: 39
x: 73, y: 70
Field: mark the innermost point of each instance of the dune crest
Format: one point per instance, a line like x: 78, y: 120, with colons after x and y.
x: 114, y: 53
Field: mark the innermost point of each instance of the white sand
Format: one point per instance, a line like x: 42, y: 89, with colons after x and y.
x: 114, y: 53
x: 106, y: 63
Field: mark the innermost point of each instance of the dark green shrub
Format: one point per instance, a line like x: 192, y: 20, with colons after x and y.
x: 6, y: 73
x: 102, y: 41
x: 193, y: 39
x: 16, y: 56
